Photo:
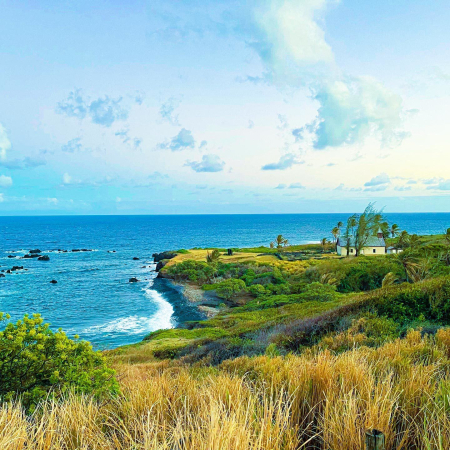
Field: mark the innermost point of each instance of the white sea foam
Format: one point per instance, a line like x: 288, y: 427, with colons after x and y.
x: 162, y: 319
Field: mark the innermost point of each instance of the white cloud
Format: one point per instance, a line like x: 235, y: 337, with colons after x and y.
x: 285, y: 162
x: 5, y: 143
x: 2, y: 198
x: 52, y: 201
x: 352, y: 109
x: 290, y: 37
x: 67, y: 179
x: 74, y: 145
x: 296, y: 186
x: 181, y: 141
x: 383, y: 178
x: 102, y: 111
x: 5, y: 181
x: 209, y: 163
x: 167, y: 111
x: 291, y: 43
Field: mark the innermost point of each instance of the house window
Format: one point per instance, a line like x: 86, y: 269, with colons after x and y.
x: 351, y: 250
x: 374, y: 250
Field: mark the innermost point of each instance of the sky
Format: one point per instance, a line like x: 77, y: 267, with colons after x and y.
x: 218, y: 107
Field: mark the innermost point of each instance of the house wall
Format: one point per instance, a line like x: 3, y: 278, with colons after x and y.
x: 368, y: 251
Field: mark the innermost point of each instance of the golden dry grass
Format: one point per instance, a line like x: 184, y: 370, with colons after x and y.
x: 318, y: 400
x: 200, y: 255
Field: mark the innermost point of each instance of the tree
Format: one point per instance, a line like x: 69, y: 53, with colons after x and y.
x: 367, y: 225
x: 279, y: 242
x: 394, y: 230
x: 229, y: 288
x: 414, y: 241
x: 403, y: 240
x: 411, y: 266
x: 213, y: 256
x: 349, y: 230
x: 389, y: 279
x: 324, y: 243
x: 35, y: 361
x: 335, y: 232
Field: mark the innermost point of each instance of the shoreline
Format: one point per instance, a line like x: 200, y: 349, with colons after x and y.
x: 206, y: 303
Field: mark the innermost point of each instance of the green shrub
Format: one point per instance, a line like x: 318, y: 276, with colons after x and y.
x: 229, y: 288
x: 257, y: 290
x: 35, y: 361
x: 318, y: 292
x: 196, y: 271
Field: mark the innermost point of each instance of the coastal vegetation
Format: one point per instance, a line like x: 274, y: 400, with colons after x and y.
x: 301, y: 349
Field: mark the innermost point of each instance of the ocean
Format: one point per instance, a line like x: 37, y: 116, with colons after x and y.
x: 93, y: 298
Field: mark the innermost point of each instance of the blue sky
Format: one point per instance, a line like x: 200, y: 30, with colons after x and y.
x: 180, y: 107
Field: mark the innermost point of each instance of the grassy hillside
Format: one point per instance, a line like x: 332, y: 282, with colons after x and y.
x: 305, y: 350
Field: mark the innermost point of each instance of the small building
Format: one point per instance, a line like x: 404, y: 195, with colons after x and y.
x: 375, y: 245
x: 393, y: 250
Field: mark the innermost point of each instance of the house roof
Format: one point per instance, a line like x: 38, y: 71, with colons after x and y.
x: 372, y: 241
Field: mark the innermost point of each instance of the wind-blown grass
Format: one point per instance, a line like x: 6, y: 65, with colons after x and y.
x: 317, y: 400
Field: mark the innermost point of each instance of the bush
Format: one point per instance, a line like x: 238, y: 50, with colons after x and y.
x: 196, y: 271
x: 257, y: 290
x: 229, y: 288
x: 318, y: 292
x: 34, y: 361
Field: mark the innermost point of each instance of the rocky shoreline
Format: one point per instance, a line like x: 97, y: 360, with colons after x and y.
x: 206, y: 302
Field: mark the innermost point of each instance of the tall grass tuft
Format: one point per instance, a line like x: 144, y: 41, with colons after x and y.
x: 319, y: 400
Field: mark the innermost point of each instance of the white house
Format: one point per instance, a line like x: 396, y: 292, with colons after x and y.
x: 375, y: 245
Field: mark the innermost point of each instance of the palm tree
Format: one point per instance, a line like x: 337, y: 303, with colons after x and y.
x: 394, y: 230
x: 414, y: 241
x: 410, y: 265
x: 335, y: 232
x: 279, y: 242
x: 403, y: 240
x: 324, y: 242
x: 213, y: 256
x: 389, y: 279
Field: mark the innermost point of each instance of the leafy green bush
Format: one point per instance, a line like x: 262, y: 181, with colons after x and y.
x: 34, y: 361
x: 229, y: 288
x: 196, y: 271
x: 406, y: 302
x: 257, y: 290
x: 356, y: 274
x: 318, y: 292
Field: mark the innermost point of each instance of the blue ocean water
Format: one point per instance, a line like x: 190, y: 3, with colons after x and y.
x: 93, y: 297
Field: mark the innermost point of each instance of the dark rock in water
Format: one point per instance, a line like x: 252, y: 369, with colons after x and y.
x: 16, y: 268
x: 164, y: 255
x: 44, y: 258
x: 53, y: 282
x: 76, y: 250
x: 11, y: 256
x: 133, y: 280
x: 8, y: 271
x: 65, y: 251
x: 2, y: 275
x: 135, y: 258
x: 33, y: 255
x: 34, y: 251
